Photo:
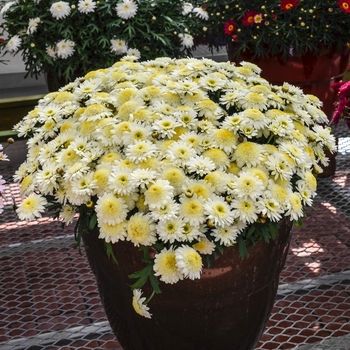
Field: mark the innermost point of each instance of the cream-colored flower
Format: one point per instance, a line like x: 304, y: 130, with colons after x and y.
x: 204, y: 246
x: 31, y: 207
x: 141, y: 229
x: 165, y: 266
x: 111, y: 209
x: 139, y: 305
x: 189, y: 262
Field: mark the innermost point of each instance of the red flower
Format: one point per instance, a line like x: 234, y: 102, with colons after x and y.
x: 230, y: 27
x: 287, y: 5
x: 344, y: 5
x: 248, y: 18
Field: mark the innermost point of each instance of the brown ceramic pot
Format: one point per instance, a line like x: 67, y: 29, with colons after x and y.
x: 314, y: 74
x: 227, y: 309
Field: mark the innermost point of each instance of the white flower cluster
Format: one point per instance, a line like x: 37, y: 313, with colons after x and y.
x: 65, y: 48
x: 184, y: 153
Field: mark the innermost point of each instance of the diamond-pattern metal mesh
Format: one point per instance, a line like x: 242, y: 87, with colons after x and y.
x: 49, y: 299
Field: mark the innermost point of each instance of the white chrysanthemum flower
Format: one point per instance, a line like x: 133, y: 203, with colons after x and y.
x: 51, y: 51
x: 212, y: 82
x: 187, y: 40
x: 187, y: 118
x: 225, y: 139
x: 293, y: 150
x: 168, y: 211
x: 254, y: 118
x: 233, y: 122
x: 165, y: 266
x: 86, y: 6
x: 120, y: 182
x: 84, y: 184
x: 60, y: 9
x: 33, y: 25
x: 278, y: 193
x: 225, y: 235
x: 281, y: 125
x: 279, y: 167
x: 112, y: 233
x: 180, y: 153
x: 133, y: 53
x: 170, y: 230
x: 191, y: 232
x: 159, y: 193
x: 166, y: 126
x: 5, y: 8
x: 47, y: 178
x: 271, y: 208
x: 209, y: 110
x: 65, y: 48
x: 31, y: 207
x: 218, y: 211
x: 138, y: 304
x: 111, y: 209
x: 142, y: 178
x: 192, y: 210
x: 186, y: 8
x: 200, y: 165
x: 247, y: 185
x: 295, y: 206
x: 253, y: 100
x: 141, y: 230
x: 305, y: 193
x: 248, y: 153
x: 189, y: 262
x: 324, y: 136
x: 204, y: 246
x: 218, y: 157
x: 184, y: 87
x: 126, y: 9
x: 201, y: 13
x: 192, y: 139
x: 230, y: 98
x: 14, y: 44
x: 245, y: 209
x: 119, y: 46
x: 87, y: 89
x: 140, y: 151
x: 67, y: 214
x: 137, y: 132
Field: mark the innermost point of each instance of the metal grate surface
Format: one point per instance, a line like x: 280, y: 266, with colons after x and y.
x: 49, y: 299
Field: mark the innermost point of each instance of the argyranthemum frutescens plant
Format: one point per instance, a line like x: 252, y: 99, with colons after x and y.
x: 185, y: 156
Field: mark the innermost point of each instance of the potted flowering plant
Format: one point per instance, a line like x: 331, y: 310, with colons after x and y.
x: 172, y: 166
x: 282, y: 27
x: 70, y: 38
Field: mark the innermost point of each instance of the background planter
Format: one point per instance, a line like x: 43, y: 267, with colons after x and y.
x: 228, y: 308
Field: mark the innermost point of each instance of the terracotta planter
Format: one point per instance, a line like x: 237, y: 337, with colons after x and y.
x: 314, y: 74
x: 228, y: 308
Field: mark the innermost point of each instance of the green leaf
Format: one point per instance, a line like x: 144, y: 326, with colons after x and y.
x: 93, y: 221
x: 251, y: 231
x: 243, y: 253
x: 109, y: 251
